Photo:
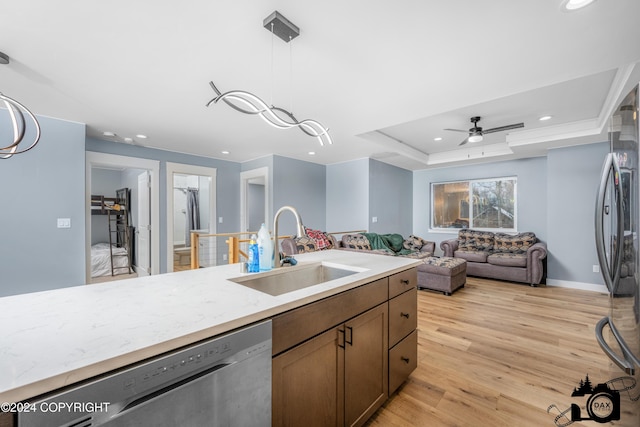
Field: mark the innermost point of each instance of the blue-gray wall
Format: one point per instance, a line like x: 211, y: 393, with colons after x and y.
x: 390, y: 198
x: 573, y: 179
x: 532, y: 194
x: 556, y: 199
x: 301, y: 185
x: 347, y: 204
x: 38, y: 187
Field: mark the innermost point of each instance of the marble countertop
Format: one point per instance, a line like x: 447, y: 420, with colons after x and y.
x: 56, y: 338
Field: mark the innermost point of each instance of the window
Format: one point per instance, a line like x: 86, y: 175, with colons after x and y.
x: 488, y: 204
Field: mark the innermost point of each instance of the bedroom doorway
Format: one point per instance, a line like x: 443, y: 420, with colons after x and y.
x: 105, y: 174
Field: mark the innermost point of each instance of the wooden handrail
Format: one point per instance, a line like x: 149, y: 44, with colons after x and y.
x: 233, y: 244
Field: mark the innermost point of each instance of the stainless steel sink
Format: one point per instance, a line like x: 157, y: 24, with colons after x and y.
x: 288, y: 279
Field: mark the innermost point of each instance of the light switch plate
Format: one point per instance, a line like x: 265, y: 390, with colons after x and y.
x: 64, y: 222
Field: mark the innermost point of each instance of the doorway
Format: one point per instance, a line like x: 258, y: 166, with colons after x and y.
x: 191, y: 207
x: 126, y: 170
x: 254, y: 199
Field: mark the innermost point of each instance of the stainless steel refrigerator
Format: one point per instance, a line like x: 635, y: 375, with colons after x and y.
x: 616, y: 221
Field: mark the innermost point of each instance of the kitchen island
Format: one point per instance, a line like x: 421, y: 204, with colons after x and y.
x: 57, y: 338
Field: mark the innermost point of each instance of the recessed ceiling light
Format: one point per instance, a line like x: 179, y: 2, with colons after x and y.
x: 141, y: 136
x: 128, y: 140
x: 312, y: 153
x: 437, y: 139
x: 224, y: 152
x: 543, y: 118
x: 108, y: 134
x: 575, y: 4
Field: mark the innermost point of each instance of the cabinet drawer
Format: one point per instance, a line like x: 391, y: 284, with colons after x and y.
x: 403, y: 281
x: 403, y: 359
x: 403, y: 316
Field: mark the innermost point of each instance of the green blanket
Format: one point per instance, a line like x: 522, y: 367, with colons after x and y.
x: 390, y: 242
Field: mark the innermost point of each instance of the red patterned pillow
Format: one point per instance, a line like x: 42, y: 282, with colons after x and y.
x: 321, y: 239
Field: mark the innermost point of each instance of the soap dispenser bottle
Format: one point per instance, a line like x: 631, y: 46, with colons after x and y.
x: 254, y: 254
x: 265, y: 249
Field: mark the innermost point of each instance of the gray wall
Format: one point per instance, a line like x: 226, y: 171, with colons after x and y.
x: 38, y: 187
x: 556, y: 197
x: 301, y: 185
x: 348, y: 196
x: 227, y: 184
x: 532, y: 194
x: 390, y: 198
x: 573, y: 179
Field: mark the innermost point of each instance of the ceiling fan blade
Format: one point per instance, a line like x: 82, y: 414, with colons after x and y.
x: 503, y: 128
x: 464, y: 142
x: 458, y: 130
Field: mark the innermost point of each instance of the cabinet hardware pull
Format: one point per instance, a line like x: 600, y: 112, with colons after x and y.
x: 350, y: 340
x: 405, y: 359
x: 404, y: 281
x: 406, y: 315
x: 341, y: 335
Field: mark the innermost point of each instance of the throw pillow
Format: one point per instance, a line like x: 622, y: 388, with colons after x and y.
x: 414, y: 243
x: 305, y: 244
x: 321, y: 239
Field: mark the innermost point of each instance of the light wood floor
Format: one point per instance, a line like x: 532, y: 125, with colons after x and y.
x: 499, y: 354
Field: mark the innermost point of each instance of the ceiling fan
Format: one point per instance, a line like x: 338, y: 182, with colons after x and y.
x: 476, y: 132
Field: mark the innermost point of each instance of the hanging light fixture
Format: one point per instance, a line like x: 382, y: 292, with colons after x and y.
x: 17, y: 112
x: 248, y: 103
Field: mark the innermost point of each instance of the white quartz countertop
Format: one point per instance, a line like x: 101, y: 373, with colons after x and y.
x: 56, y: 338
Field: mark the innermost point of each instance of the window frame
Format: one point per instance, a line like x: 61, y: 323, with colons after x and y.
x: 470, y: 183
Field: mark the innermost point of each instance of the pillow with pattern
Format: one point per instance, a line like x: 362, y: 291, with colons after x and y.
x: 414, y: 243
x: 320, y: 237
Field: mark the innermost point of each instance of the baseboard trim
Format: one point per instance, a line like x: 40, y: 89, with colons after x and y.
x: 577, y: 285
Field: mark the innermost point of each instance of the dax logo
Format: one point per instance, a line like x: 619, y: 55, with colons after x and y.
x: 603, y: 404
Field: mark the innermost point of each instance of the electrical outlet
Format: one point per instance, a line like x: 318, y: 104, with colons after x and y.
x: 224, y: 257
x: 374, y: 219
x: 219, y: 220
x: 596, y: 268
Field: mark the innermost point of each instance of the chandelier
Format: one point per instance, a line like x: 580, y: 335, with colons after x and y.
x: 248, y: 103
x: 17, y: 113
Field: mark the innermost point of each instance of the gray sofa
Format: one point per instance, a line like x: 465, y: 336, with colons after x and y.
x: 516, y: 258
x: 411, y: 247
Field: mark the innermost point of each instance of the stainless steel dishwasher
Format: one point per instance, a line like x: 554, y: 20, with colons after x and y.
x: 225, y: 381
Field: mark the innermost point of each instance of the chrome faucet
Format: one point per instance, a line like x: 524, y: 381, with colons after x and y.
x: 299, y: 231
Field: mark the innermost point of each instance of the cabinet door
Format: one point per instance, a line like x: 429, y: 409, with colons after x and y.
x: 366, y: 364
x: 308, y: 385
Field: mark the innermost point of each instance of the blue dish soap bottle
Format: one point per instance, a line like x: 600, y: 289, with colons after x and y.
x: 254, y: 261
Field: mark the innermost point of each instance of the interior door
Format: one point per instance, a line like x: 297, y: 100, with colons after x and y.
x: 143, y: 230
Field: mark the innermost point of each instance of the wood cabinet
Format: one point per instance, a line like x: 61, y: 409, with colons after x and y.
x: 331, y: 357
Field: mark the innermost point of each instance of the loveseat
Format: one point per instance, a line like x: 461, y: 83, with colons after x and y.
x: 516, y: 258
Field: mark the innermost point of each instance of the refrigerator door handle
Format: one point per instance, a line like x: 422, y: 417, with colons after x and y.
x: 625, y: 364
x: 610, y: 274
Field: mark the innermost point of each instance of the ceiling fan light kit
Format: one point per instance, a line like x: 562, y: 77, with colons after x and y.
x: 476, y: 133
x: 248, y: 103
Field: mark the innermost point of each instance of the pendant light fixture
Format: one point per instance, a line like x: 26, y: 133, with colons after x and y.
x: 17, y: 113
x: 248, y: 103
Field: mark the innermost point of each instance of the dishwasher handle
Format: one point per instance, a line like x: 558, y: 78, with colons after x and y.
x: 624, y: 363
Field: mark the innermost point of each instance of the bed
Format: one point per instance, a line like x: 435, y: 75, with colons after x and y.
x: 101, y: 260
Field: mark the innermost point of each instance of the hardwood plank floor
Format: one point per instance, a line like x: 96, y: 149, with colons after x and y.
x: 499, y: 354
